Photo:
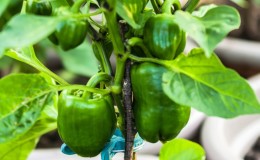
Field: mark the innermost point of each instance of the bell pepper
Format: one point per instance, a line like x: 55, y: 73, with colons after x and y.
x: 39, y: 7
x: 163, y: 37
x: 70, y: 33
x: 157, y: 117
x: 86, y: 123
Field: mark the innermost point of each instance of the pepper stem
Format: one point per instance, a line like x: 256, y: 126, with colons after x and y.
x: 167, y: 6
x: 135, y: 41
x: 94, y: 81
x: 104, y: 60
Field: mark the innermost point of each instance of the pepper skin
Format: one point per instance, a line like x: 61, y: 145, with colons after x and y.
x: 86, y: 125
x: 163, y: 37
x: 38, y: 7
x: 157, y: 117
x: 70, y: 33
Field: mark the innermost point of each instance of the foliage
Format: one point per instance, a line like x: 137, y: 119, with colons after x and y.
x: 198, y: 79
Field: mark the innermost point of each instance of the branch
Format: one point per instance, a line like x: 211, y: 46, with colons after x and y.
x: 129, y: 118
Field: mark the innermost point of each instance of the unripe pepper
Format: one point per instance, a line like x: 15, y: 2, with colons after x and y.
x: 39, y: 7
x: 157, y: 117
x: 70, y: 33
x: 163, y: 37
x: 86, y: 123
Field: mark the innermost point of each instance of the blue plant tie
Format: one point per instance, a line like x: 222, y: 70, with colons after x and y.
x: 66, y: 150
x: 115, y: 145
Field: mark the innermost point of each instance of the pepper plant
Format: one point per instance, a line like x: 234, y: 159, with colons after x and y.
x: 148, y: 95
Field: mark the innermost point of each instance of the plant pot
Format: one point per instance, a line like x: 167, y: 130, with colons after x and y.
x: 231, y: 139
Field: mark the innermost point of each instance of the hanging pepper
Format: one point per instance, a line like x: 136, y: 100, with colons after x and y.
x: 39, y: 7
x: 86, y: 123
x: 163, y: 37
x: 157, y: 117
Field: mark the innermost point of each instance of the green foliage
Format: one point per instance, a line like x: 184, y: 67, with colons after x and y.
x: 28, y: 102
x: 181, y: 149
x: 27, y: 111
x: 4, y: 5
x: 80, y: 60
x: 207, y: 85
x: 210, y: 29
x: 18, y: 33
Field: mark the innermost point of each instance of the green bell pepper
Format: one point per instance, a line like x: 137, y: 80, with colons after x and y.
x: 157, y: 117
x: 86, y: 123
x: 39, y: 7
x: 70, y: 33
x: 163, y: 37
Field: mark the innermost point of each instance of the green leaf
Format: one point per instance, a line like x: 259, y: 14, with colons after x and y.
x: 130, y: 11
x: 20, y: 147
x: 205, y: 84
x: 23, y: 97
x: 203, y: 10
x: 210, y: 29
x: 80, y: 60
x: 27, y: 55
x: 3, y: 5
x: 181, y: 149
x: 19, y: 152
x: 24, y: 30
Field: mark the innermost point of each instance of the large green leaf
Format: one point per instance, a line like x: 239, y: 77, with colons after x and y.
x: 22, y: 99
x: 205, y: 84
x: 181, y: 149
x: 24, y: 30
x: 19, y: 152
x: 80, y: 60
x: 20, y: 146
x: 210, y: 29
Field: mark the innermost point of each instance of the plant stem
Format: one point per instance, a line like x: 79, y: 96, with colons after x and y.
x: 155, y: 6
x: 190, y: 5
x: 82, y: 87
x: 114, y: 30
x: 53, y: 75
x: 135, y: 41
x: 167, y: 6
x: 76, y: 6
x: 94, y: 81
x: 33, y: 61
x: 96, y: 12
x: 105, y: 63
x: 129, y: 118
x: 141, y: 59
